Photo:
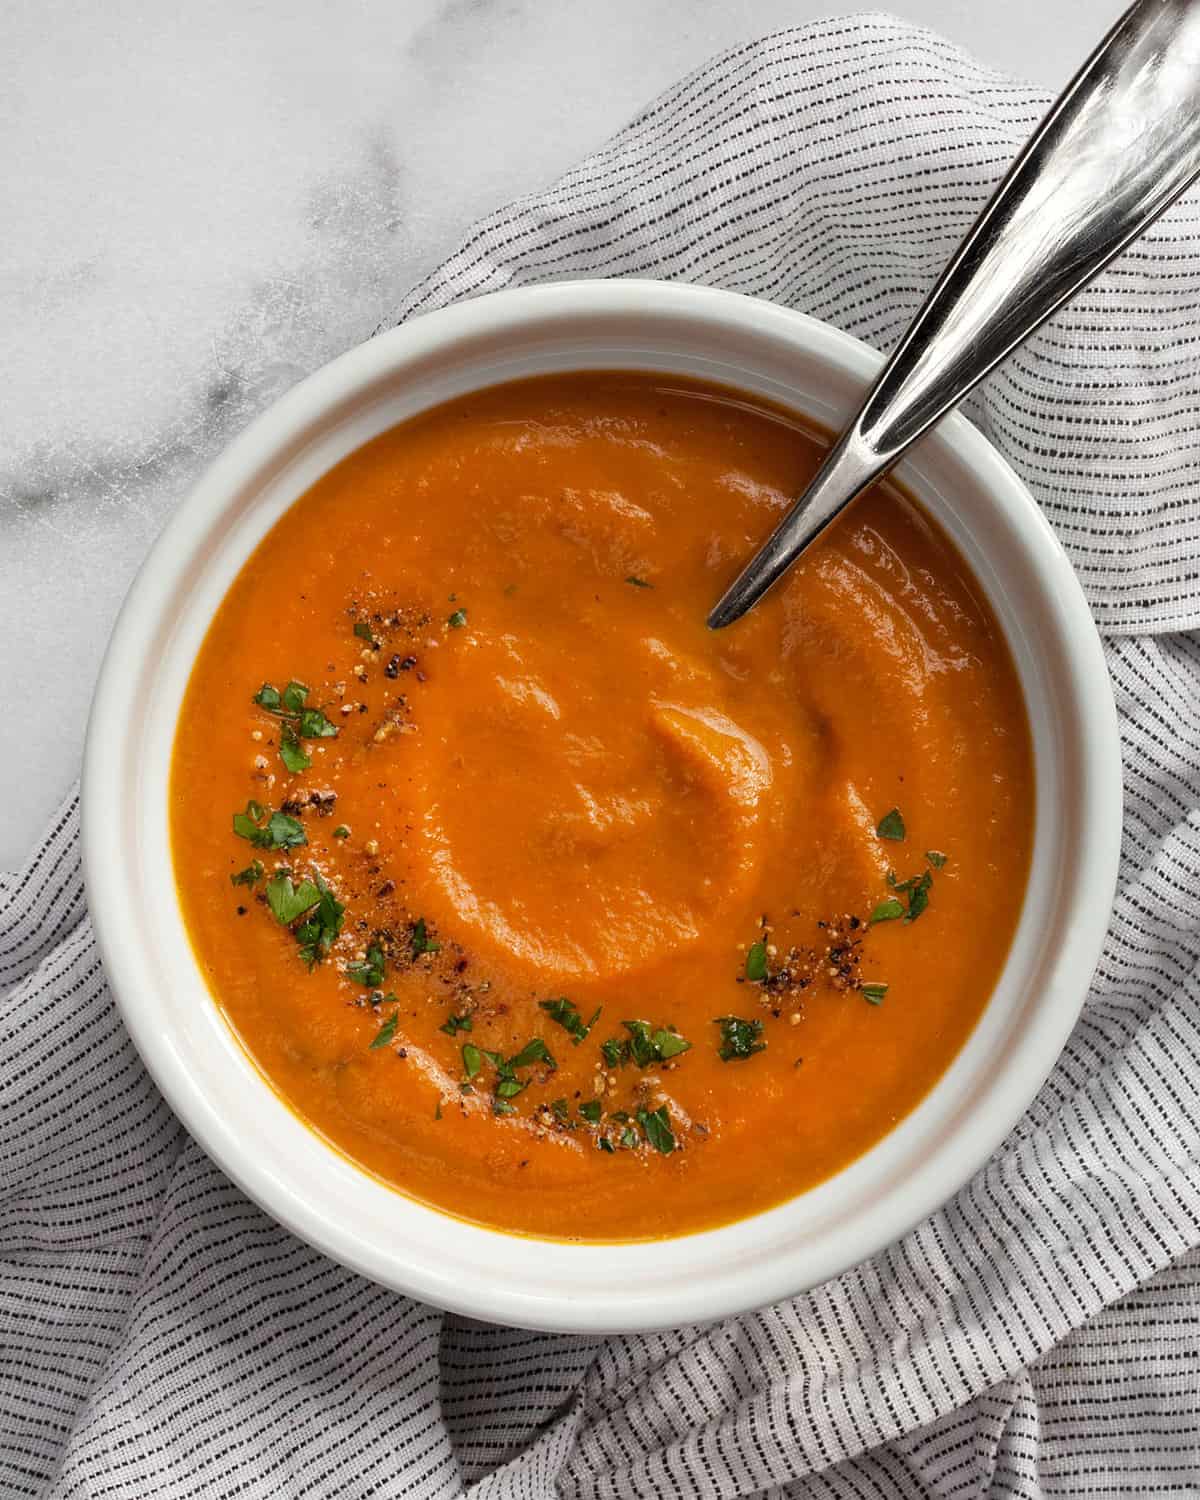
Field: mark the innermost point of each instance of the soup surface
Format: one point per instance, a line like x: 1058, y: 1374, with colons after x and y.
x: 542, y: 901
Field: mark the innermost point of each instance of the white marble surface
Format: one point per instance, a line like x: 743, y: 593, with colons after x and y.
x: 203, y: 203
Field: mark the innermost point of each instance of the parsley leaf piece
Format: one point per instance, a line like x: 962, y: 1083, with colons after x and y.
x: 936, y: 858
x: 628, y: 1138
x: 561, y: 1110
x: 656, y: 1126
x: 503, y: 1107
x: 472, y: 1059
x: 455, y: 1024
x: 533, y: 1051
x: 313, y: 725
x: 509, y: 1088
x: 421, y: 941
x: 641, y: 1046
x: 590, y: 1110
x: 605, y: 1144
x: 317, y: 934
x: 891, y: 825
x: 739, y: 1038
x: 387, y: 1031
x: 288, y: 901
x: 874, y: 993
x: 886, y: 911
x: 305, y: 723
x: 669, y: 1044
x: 615, y: 1051
x: 566, y: 1013
x: 638, y: 583
x: 918, y: 897
x: 369, y: 972
x: 284, y: 832
x: 251, y: 875
x: 644, y: 1047
x: 341, y: 832
x: 363, y: 631
x: 291, y: 752
x: 457, y: 620
x: 280, y: 831
x: 246, y: 828
x: 756, y: 962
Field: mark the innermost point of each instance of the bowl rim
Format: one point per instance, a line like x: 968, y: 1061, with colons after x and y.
x: 108, y: 867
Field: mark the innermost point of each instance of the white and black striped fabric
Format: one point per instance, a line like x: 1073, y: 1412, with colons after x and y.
x: 1040, y: 1335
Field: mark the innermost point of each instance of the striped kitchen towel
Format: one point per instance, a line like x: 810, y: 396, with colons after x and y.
x: 159, y: 1336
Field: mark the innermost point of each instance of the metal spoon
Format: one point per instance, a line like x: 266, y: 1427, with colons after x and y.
x: 1119, y: 146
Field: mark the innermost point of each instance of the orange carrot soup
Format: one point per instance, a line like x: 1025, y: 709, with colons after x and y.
x: 541, y: 901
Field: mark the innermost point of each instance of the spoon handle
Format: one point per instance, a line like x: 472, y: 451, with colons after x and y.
x: 1119, y: 145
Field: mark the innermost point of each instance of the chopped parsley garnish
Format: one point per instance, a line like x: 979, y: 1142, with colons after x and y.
x: 288, y: 901
x: 316, y: 935
x: 251, y: 875
x: 421, y: 941
x: 561, y: 1110
x: 364, y: 632
x: 566, y: 1013
x: 300, y: 723
x: 388, y: 1030
x: 628, y: 1139
x: 341, y: 832
x: 739, y: 1038
x: 891, y: 825
x: 874, y: 993
x: 644, y: 1046
x: 756, y: 962
x: 313, y: 725
x: 604, y: 1144
x: 278, y: 831
x: 638, y: 583
x: 531, y: 1052
x: 614, y: 1051
x: 916, y: 888
x: 291, y: 752
x: 457, y: 620
x: 590, y: 1110
x: 656, y: 1127
x: 313, y: 901
x: 370, y: 970
x: 508, y: 1085
x: 455, y: 1024
x: 918, y: 897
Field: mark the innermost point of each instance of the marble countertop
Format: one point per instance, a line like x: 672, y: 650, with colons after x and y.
x: 202, y: 204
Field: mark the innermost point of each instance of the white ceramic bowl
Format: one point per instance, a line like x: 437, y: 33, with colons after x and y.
x: 216, y: 1090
